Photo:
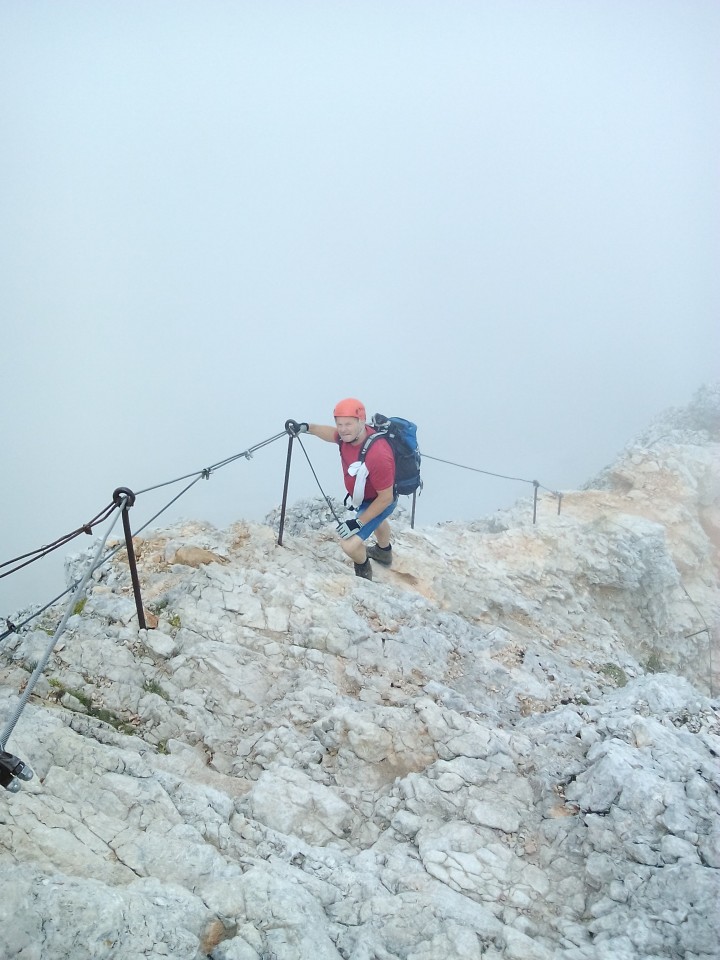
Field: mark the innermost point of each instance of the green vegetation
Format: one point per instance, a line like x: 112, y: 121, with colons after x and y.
x: 84, y: 699
x: 654, y: 664
x: 79, y: 606
x: 615, y: 673
x: 174, y: 621
x: 100, y: 713
x: 152, y: 686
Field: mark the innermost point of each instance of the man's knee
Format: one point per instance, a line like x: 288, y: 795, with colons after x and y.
x: 354, y: 548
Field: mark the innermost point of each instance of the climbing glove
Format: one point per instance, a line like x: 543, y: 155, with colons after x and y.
x: 348, y: 528
x: 294, y: 428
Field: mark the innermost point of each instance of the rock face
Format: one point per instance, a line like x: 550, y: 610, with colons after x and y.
x: 505, y: 747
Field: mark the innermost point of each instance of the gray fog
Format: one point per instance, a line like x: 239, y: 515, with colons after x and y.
x: 497, y: 219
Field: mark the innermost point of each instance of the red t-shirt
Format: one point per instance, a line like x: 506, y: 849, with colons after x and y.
x: 379, y: 461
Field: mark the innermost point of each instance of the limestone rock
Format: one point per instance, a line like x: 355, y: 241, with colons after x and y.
x: 504, y: 748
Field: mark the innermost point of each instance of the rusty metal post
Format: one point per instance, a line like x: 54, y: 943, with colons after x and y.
x: 118, y: 495
x: 285, y: 489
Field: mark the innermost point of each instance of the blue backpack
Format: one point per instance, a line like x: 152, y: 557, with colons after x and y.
x: 402, y: 437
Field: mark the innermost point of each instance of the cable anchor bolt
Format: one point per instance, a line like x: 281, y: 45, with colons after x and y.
x: 12, y: 771
x: 123, y: 493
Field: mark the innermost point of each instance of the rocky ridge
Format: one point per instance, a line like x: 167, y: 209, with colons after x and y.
x: 506, y: 747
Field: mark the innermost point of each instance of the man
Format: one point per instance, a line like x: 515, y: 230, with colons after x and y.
x: 369, y: 484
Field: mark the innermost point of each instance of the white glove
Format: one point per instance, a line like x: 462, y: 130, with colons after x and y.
x: 348, y: 528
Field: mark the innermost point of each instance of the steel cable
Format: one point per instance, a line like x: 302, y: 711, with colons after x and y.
x: 155, y: 516
x: 34, y: 677
x: 197, y: 475
x: 705, y: 629
x: 206, y: 472
x: 462, y: 466
x: 15, y: 628
x: 451, y: 463
x: 489, y: 473
x: 327, y: 499
x: 56, y: 544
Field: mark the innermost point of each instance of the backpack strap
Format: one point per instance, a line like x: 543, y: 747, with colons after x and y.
x: 369, y: 442
x: 380, y: 431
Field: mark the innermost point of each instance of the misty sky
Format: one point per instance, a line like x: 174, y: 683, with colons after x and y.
x: 498, y: 219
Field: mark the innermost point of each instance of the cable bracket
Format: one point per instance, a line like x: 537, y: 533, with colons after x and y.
x: 12, y: 771
x: 123, y: 493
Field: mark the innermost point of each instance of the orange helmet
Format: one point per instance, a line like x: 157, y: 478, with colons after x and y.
x: 350, y: 407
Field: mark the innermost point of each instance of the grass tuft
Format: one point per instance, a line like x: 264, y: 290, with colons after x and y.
x: 152, y: 686
x: 615, y: 673
x: 654, y: 664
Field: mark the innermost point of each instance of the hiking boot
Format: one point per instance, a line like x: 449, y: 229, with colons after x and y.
x: 379, y: 555
x: 364, y: 570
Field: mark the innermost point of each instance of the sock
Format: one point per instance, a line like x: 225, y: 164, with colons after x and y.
x: 386, y: 549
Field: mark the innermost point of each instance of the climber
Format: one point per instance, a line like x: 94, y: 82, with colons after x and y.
x: 370, y: 484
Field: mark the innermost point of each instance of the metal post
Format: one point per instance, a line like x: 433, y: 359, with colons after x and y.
x: 123, y: 493
x: 285, y: 490
x: 535, y: 499
x: 559, y: 496
x: 412, y: 514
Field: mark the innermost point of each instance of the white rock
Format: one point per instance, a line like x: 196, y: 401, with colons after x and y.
x: 289, y: 801
x: 468, y: 758
x: 160, y: 644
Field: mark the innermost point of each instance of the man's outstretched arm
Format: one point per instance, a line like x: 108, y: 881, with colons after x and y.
x: 295, y: 428
x: 324, y: 432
